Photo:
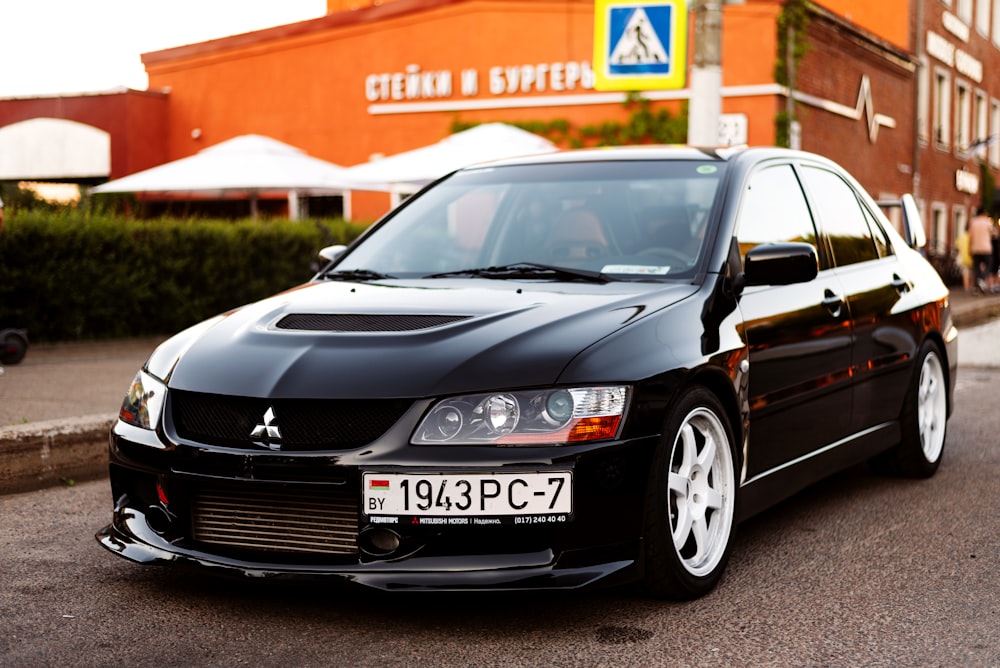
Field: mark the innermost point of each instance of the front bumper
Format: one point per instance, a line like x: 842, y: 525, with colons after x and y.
x: 157, y: 512
x: 129, y: 536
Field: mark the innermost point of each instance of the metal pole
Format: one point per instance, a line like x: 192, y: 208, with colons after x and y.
x: 705, y: 106
x: 919, y: 73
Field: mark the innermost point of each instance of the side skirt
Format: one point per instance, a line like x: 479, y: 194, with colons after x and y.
x: 775, y: 485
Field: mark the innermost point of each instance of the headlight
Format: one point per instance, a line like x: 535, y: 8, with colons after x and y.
x: 143, y: 401
x: 528, y: 417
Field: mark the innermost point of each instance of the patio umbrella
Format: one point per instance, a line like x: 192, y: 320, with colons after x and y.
x: 253, y: 165
x: 410, y: 170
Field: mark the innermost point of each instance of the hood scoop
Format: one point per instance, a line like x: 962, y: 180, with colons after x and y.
x: 364, y: 322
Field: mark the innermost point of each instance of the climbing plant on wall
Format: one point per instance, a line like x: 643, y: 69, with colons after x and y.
x: 792, y: 46
x: 645, y: 125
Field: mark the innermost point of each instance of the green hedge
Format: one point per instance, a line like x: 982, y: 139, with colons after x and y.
x: 68, y: 276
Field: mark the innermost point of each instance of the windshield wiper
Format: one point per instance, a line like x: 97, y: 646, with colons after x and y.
x: 355, y: 275
x: 526, y: 270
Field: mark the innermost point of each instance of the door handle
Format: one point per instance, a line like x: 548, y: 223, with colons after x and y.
x: 832, y: 302
x: 901, y: 286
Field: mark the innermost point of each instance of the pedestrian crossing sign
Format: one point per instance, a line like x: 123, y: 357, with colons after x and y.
x: 640, y: 44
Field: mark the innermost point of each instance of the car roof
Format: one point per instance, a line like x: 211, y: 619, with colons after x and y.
x: 646, y: 152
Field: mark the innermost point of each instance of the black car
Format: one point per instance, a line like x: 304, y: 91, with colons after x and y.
x: 577, y: 368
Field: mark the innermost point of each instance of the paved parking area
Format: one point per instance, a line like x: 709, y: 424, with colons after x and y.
x: 67, y: 380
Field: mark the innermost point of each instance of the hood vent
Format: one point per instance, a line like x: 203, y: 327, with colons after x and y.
x: 347, y: 322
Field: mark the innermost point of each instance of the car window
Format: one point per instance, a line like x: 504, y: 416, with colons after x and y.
x: 445, y: 229
x: 630, y: 219
x: 841, y: 217
x: 879, y: 237
x: 774, y: 210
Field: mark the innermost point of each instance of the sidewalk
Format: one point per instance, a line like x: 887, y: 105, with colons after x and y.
x: 57, y: 405
x: 975, y: 309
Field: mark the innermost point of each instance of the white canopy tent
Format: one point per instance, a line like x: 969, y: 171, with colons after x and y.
x: 409, y: 171
x: 251, y: 165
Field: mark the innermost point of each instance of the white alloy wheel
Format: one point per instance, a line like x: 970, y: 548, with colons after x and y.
x: 932, y: 407
x: 701, y: 492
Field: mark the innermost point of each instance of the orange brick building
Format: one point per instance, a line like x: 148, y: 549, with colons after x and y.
x: 376, y: 79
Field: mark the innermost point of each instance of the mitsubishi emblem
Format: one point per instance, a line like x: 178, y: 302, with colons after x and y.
x: 269, y: 433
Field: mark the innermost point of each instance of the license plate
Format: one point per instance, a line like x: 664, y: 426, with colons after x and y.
x: 512, y: 497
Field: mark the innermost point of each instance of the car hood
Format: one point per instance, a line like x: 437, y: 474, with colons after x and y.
x: 403, y: 339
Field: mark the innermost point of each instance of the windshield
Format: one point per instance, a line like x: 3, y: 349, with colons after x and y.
x: 621, y: 219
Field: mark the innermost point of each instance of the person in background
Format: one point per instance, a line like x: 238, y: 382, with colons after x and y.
x: 964, y: 258
x: 981, y: 247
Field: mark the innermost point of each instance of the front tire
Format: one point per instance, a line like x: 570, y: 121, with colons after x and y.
x: 924, y: 420
x: 690, y: 505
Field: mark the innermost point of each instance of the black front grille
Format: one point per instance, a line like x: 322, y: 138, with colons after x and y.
x: 305, y: 424
x: 284, y: 520
x: 360, y: 322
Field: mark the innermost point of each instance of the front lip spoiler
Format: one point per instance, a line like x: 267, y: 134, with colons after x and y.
x: 128, y: 543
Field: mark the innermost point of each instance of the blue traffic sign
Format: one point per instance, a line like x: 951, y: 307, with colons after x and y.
x: 640, y: 45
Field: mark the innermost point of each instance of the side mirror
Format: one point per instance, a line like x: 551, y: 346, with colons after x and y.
x: 779, y: 264
x: 913, y: 225
x: 331, y: 253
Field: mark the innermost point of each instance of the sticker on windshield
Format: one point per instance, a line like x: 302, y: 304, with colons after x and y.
x: 645, y: 269
x: 707, y: 169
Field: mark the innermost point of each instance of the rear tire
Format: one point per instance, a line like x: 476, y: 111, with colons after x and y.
x: 690, y: 507
x: 12, y: 349
x: 923, y: 421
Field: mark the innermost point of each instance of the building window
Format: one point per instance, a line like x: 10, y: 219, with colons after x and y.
x: 964, y: 11
x: 963, y: 117
x: 923, y: 100
x: 942, y: 109
x: 994, y: 145
x: 996, y: 23
x: 981, y: 120
x: 939, y: 228
x: 983, y: 17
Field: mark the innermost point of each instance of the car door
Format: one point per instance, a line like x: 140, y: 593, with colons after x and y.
x: 876, y: 286
x: 799, y: 335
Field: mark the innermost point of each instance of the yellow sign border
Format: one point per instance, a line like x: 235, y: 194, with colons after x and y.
x: 604, y: 80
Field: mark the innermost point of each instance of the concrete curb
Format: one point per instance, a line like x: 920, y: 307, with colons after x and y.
x: 977, y: 314
x: 53, y: 452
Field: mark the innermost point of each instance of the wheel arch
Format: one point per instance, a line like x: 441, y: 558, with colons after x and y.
x: 667, y: 572
x: 721, y: 385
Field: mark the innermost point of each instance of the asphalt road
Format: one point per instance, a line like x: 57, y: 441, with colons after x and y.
x: 857, y: 571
